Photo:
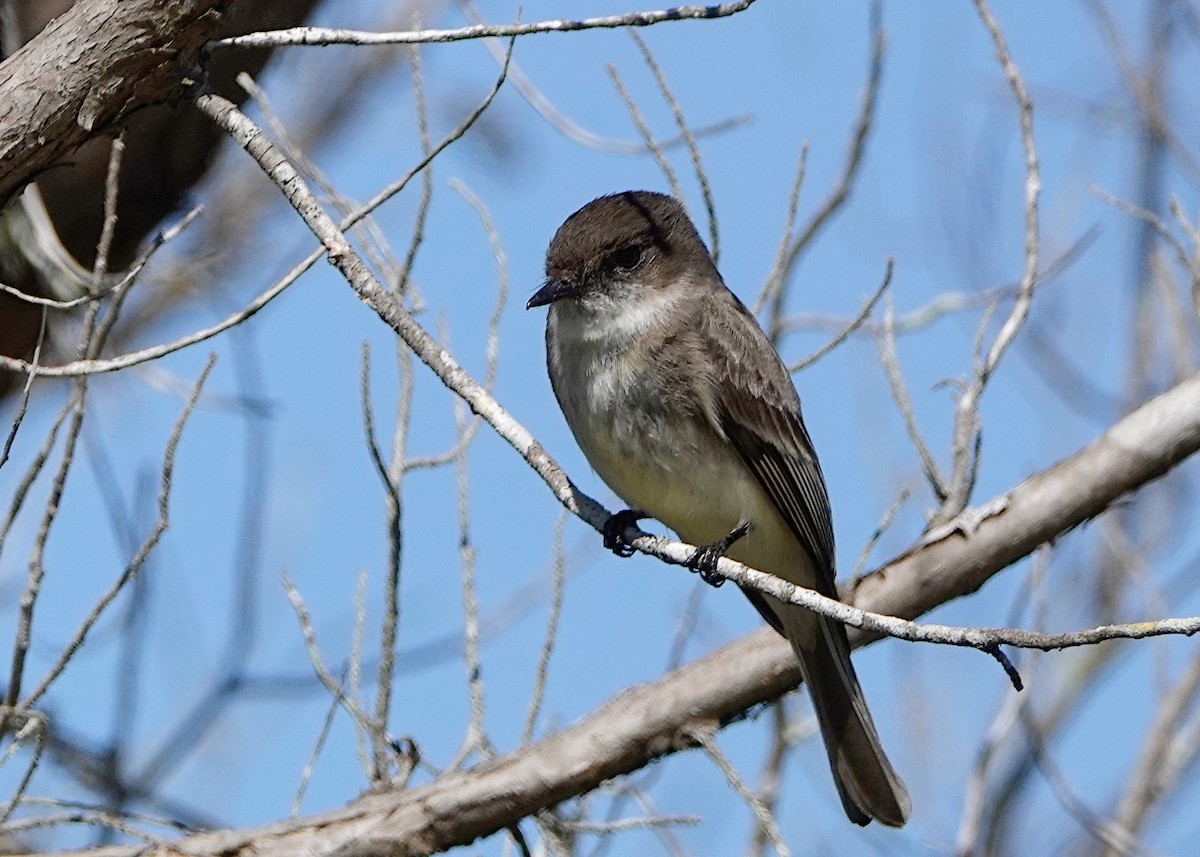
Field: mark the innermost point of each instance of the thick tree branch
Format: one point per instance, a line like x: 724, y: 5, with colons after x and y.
x: 88, y: 70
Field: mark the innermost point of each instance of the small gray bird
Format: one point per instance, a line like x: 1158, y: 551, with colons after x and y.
x: 684, y: 409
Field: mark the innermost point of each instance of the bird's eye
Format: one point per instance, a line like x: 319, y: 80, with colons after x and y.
x: 627, y: 258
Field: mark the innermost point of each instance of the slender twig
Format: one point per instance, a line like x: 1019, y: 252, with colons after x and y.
x: 392, y: 475
x: 92, y: 818
x: 899, y: 389
x: 842, y: 189
x: 621, y: 825
x: 639, y: 122
x: 543, y: 664
x: 1010, y: 712
x: 497, y: 248
x: 310, y: 763
x: 853, y: 325
x: 766, y: 820
x: 33, y: 471
x: 966, y: 423
x: 25, y: 391
x: 147, y: 547
x: 355, y: 668
x: 1033, y: 189
x: 571, y: 129
x: 109, y: 226
x: 1189, y: 260
x: 685, y: 130
x: 772, y: 775
x: 775, y: 275
x: 130, y: 274
x: 372, y: 239
x: 884, y: 523
x: 141, y: 817
x: 50, y: 303
x: 493, y: 333
x: 330, y: 36
x: 944, y: 304
x: 35, y: 726
x: 477, y: 738
x: 1146, y: 785
x: 91, y: 339
x: 391, y: 478
x: 418, y: 232
x: 314, y: 654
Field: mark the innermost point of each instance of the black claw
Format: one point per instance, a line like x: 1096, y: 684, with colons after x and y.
x: 704, y: 560
x: 614, y: 531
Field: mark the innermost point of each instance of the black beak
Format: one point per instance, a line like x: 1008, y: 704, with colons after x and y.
x: 554, y: 290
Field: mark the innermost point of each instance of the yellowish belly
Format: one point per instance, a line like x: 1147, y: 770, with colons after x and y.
x: 703, y: 498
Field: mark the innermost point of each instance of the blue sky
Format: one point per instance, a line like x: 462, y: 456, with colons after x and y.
x: 939, y: 192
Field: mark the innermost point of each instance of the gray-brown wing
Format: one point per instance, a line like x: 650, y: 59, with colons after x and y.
x: 758, y: 410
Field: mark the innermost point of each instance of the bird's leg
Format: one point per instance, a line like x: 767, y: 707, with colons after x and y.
x: 704, y: 560
x: 614, y: 531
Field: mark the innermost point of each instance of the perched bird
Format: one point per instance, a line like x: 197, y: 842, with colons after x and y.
x: 684, y: 409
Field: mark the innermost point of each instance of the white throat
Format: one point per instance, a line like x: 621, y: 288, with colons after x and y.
x: 617, y: 320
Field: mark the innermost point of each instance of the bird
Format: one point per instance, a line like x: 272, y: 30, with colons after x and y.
x: 682, y: 406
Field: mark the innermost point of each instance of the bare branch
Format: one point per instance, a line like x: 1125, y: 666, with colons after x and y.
x: 477, y: 738
x: 1033, y: 189
x: 1147, y: 785
x: 639, y: 122
x: 942, y: 305
x: 840, y: 193
x: 766, y: 821
x: 853, y: 325
x: 571, y: 129
x: 147, y: 547
x: 543, y: 664
x: 714, y: 233
x: 91, y: 339
x: 884, y: 523
x: 331, y: 36
x: 311, y: 762
x: 296, y: 600
x: 775, y: 276
x: 25, y: 391
x: 899, y: 389
x: 772, y: 775
x: 966, y: 422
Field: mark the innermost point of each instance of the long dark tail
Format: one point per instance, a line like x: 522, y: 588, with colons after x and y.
x: 865, y: 779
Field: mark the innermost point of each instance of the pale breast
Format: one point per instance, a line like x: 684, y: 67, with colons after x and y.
x: 650, y: 445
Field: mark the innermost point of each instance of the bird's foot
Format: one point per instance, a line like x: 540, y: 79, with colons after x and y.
x: 614, y: 531
x: 704, y: 560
